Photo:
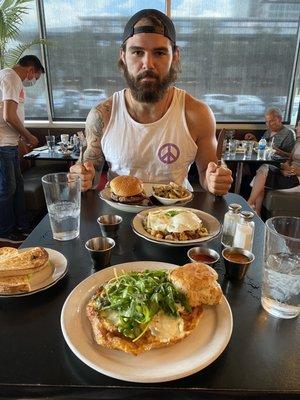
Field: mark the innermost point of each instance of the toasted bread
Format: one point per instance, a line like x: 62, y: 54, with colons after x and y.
x: 23, y: 262
x: 24, y: 283
x: 14, y: 284
x: 199, y: 282
x: 7, y: 252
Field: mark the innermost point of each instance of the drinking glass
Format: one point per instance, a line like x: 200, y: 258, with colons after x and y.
x: 50, y: 140
x: 281, y: 271
x: 63, y: 199
x: 248, y: 148
x: 232, y: 147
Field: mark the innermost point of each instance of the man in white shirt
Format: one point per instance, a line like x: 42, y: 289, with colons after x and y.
x: 152, y: 130
x: 12, y: 207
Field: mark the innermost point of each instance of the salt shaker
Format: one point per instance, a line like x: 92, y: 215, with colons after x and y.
x: 229, y: 224
x: 244, y: 232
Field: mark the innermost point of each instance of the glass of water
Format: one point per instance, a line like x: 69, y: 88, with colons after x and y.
x: 232, y: 146
x: 50, y: 140
x: 281, y: 271
x: 248, y: 148
x: 63, y: 199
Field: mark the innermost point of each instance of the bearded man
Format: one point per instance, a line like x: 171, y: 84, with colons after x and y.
x: 152, y: 130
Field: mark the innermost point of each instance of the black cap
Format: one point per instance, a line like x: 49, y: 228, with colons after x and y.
x: 167, y: 30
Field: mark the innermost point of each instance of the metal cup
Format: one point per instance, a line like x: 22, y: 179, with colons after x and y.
x: 109, y: 224
x: 236, y: 269
x: 99, y: 249
x: 203, y: 254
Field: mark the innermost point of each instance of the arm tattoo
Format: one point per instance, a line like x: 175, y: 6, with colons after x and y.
x: 94, y: 131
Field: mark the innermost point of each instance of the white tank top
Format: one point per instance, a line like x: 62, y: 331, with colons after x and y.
x: 158, y: 152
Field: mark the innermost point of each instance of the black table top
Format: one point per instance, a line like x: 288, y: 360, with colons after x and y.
x: 55, y: 155
x: 260, y: 360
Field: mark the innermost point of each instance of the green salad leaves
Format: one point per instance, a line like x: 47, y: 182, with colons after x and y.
x: 135, y: 297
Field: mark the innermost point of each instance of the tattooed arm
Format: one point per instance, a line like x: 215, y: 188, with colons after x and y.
x: 93, y: 157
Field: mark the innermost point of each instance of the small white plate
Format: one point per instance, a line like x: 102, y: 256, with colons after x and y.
x: 59, y: 264
x: 190, y: 355
x: 211, y: 224
x: 133, y: 208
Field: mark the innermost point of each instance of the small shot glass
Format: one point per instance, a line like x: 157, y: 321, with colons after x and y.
x: 99, y: 249
x: 109, y: 224
x: 237, y: 262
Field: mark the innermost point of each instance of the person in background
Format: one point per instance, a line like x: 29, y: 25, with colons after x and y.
x: 279, y: 136
x: 152, y: 130
x: 25, y: 73
x: 271, y: 177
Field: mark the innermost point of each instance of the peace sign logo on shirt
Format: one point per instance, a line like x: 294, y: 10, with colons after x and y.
x: 168, y: 153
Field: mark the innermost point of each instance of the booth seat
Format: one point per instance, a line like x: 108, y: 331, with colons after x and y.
x: 33, y: 189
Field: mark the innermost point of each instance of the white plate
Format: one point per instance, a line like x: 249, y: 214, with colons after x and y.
x: 188, y: 356
x: 211, y: 224
x: 59, y: 264
x: 133, y: 208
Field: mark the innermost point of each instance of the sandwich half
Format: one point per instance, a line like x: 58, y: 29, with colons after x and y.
x: 142, y: 310
x: 21, y: 269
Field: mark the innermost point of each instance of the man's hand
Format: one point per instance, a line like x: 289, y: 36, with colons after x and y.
x: 86, y: 173
x: 31, y: 140
x: 287, y: 169
x: 218, y: 179
x: 250, y: 136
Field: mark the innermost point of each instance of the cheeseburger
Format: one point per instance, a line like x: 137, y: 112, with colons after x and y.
x: 127, y: 189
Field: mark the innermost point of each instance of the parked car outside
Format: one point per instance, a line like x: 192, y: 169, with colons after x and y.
x: 245, y: 105
x: 91, y: 97
x: 217, y: 102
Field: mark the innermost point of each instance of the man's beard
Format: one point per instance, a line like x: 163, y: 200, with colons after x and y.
x: 149, y: 92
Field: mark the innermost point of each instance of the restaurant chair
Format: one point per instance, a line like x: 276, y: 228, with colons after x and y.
x: 282, y: 202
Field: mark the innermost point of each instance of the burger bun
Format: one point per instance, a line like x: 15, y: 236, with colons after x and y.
x: 125, y: 186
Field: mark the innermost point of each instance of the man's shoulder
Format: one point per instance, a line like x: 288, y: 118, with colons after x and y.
x: 199, y: 116
x: 287, y: 131
x: 105, y: 106
x: 100, y: 114
x: 9, y: 74
x: 195, y: 105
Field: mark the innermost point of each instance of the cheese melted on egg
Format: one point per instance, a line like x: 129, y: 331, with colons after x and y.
x: 166, y: 328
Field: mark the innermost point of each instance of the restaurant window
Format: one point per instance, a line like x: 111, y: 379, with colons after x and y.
x: 237, y: 55
x: 35, y: 104
x: 243, y: 50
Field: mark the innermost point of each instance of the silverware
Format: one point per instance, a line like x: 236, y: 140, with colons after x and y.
x: 82, y: 148
x: 220, y: 147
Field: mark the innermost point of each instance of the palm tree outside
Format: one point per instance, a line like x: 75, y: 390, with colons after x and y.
x: 11, y: 18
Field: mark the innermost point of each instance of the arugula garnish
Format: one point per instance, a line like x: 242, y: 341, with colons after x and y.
x: 172, y: 213
x: 136, y: 297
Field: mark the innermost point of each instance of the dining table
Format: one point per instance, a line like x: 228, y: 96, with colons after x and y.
x: 43, y: 153
x: 261, y: 360
x: 238, y: 160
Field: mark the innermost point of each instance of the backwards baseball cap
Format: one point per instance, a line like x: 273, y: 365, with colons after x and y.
x: 167, y: 29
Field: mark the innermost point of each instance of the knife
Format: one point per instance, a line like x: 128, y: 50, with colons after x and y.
x: 220, y: 147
